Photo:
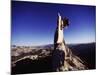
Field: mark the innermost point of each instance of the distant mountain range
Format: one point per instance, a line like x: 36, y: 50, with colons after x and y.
x: 51, y: 45
x: 81, y: 45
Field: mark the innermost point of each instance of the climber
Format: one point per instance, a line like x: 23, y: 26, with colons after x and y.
x: 59, y: 52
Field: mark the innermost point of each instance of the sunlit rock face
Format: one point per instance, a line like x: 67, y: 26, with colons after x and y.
x: 40, y: 59
x: 69, y: 62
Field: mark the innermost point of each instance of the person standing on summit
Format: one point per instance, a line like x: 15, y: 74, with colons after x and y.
x: 62, y: 57
x: 59, y: 52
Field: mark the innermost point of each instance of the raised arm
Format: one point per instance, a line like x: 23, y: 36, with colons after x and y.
x: 59, y: 21
x: 59, y: 30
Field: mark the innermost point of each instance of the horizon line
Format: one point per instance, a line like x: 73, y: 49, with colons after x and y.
x: 52, y: 44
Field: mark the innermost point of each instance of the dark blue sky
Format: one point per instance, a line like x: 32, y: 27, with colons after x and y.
x: 34, y: 23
